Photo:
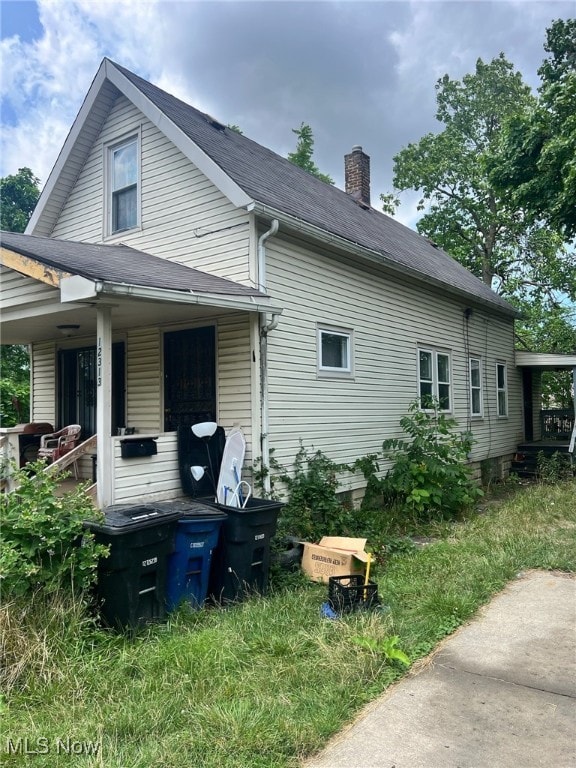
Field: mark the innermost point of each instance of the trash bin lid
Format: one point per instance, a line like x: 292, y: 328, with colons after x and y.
x: 190, y: 509
x: 120, y: 518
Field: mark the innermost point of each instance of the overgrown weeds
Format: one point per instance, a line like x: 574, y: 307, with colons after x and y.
x: 262, y: 683
x: 44, y: 544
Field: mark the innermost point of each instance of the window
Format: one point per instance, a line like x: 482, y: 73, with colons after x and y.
x: 434, y: 378
x: 334, y: 351
x: 476, y: 400
x: 502, y: 389
x: 123, y: 185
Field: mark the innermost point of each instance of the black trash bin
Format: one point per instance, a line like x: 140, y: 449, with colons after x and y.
x: 131, y: 585
x: 241, y: 562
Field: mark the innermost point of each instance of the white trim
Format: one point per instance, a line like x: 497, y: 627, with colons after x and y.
x: 209, y: 168
x: 67, y: 149
x: 552, y: 361
x: 104, y: 466
x: 107, y: 71
x: 84, y: 289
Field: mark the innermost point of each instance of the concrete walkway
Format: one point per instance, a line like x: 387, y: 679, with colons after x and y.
x: 499, y: 693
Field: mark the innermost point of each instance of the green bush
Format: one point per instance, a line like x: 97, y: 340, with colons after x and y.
x: 430, y: 475
x: 314, y: 509
x: 44, y: 544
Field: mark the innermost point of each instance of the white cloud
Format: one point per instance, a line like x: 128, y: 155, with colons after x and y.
x: 45, y: 81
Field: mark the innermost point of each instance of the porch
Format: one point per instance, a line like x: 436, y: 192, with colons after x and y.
x: 132, y: 361
x: 546, y: 430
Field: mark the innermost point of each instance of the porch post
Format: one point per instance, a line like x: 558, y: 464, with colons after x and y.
x: 104, y: 473
x: 572, y: 446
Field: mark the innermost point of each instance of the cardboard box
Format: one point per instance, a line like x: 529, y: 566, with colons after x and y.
x: 334, y: 556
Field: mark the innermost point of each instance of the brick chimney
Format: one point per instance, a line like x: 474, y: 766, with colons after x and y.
x: 357, y: 176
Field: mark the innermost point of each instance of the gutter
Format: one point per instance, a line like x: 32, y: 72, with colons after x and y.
x: 375, y: 257
x: 77, y: 288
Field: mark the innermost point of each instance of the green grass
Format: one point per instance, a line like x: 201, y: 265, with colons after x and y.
x: 264, y: 683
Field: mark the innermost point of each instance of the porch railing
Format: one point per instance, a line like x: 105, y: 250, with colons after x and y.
x: 557, y: 424
x: 88, y: 446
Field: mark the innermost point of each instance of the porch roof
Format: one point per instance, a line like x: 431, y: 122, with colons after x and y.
x: 545, y: 362
x: 142, y: 289
x: 121, y: 264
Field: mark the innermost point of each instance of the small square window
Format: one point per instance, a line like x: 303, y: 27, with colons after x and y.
x: 334, y: 351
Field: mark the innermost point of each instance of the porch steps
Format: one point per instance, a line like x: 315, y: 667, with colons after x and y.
x: 525, y: 462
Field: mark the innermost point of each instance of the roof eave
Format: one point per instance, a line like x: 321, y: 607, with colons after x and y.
x: 377, y: 257
x: 108, y: 72
x: 77, y: 288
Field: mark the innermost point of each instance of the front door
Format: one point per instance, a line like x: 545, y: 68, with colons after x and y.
x: 189, y: 377
x: 77, y: 388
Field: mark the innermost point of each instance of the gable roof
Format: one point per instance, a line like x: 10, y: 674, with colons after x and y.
x: 121, y: 264
x: 254, y: 177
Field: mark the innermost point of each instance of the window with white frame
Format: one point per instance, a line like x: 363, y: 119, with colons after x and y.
x: 434, y: 379
x: 475, y: 374
x: 502, y: 389
x: 123, y: 193
x: 335, y: 351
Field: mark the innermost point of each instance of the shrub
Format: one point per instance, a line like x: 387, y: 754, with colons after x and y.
x: 314, y: 509
x: 43, y: 541
x: 430, y: 476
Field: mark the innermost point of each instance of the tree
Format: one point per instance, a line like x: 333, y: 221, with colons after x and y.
x: 14, y: 385
x: 18, y: 197
x: 302, y: 156
x: 479, y: 224
x: 539, y: 144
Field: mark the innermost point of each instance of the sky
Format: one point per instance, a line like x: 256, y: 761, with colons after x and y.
x: 357, y: 72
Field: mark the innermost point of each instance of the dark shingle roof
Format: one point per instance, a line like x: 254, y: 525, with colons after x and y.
x: 120, y: 264
x: 275, y: 182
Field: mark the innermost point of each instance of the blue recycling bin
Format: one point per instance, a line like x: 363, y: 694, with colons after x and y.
x: 197, y: 534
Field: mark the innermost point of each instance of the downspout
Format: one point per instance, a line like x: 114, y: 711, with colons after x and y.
x: 265, y: 329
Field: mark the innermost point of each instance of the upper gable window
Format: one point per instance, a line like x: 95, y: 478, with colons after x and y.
x: 123, y: 178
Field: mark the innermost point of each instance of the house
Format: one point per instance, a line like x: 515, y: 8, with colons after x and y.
x: 176, y: 271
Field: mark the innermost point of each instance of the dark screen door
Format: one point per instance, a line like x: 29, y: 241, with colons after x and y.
x: 189, y: 377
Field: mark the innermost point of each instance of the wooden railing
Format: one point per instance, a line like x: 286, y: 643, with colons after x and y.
x: 557, y: 424
x: 88, y: 446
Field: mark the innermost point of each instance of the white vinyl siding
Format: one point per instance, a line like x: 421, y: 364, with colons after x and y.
x: 392, y: 318
x: 183, y: 216
x: 18, y: 290
x: 43, y: 382
x: 158, y: 476
x: 476, y: 394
